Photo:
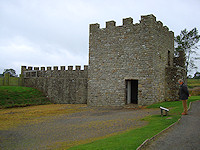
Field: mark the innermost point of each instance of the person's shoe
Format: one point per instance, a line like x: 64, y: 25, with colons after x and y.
x: 184, y: 114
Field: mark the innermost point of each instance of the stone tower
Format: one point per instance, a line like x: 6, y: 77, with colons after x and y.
x: 128, y: 63
x: 132, y: 63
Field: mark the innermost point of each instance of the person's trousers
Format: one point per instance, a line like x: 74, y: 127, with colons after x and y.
x: 185, y: 106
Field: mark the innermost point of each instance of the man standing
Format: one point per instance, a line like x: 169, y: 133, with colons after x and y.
x: 183, y: 95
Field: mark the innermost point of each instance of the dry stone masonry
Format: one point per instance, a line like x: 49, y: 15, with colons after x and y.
x: 61, y: 86
x: 131, y: 63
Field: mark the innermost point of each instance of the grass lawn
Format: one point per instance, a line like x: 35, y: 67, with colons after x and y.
x: 192, y: 83
x: 132, y: 139
x: 15, y: 96
x: 15, y: 117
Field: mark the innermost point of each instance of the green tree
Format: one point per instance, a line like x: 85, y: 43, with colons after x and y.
x: 197, y: 75
x: 186, y: 47
x: 12, y: 72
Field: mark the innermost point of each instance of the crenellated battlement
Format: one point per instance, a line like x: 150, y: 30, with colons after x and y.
x: 64, y: 84
x: 146, y: 21
x: 125, y: 55
x: 127, y: 21
x: 54, y: 68
x: 55, y: 71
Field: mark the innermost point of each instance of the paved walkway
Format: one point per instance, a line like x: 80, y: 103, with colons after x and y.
x: 183, y: 136
x: 73, y: 128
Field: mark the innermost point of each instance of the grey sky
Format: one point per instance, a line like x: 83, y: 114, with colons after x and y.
x: 56, y: 32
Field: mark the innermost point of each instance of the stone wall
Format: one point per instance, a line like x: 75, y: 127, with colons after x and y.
x: 173, y: 74
x: 128, y: 52
x: 61, y: 86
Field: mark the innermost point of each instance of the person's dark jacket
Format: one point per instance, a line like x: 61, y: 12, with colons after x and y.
x: 183, y: 92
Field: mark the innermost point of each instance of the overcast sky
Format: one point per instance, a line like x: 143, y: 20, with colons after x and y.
x: 56, y: 32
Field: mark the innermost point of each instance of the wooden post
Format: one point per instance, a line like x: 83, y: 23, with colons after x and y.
x: 6, y: 79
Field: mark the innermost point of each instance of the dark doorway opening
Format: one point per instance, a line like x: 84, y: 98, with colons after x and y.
x: 169, y: 62
x: 132, y: 91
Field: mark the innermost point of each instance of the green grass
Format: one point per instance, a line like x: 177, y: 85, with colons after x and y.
x: 15, y: 96
x: 132, y: 139
x: 192, y: 83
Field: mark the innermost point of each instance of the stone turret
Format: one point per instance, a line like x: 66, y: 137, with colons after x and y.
x: 127, y: 63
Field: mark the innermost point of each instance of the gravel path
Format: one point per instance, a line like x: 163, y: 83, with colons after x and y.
x: 70, y: 129
x: 183, y: 136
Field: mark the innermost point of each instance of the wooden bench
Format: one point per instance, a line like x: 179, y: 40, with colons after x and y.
x: 164, y: 109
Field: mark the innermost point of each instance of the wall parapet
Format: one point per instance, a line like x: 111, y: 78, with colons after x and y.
x: 62, y: 84
x: 61, y: 68
x: 146, y: 20
x: 34, y: 72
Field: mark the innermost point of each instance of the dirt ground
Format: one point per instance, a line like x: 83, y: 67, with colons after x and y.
x: 63, y: 126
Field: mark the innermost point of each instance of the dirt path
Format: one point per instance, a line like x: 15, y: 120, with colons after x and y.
x: 58, y: 131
